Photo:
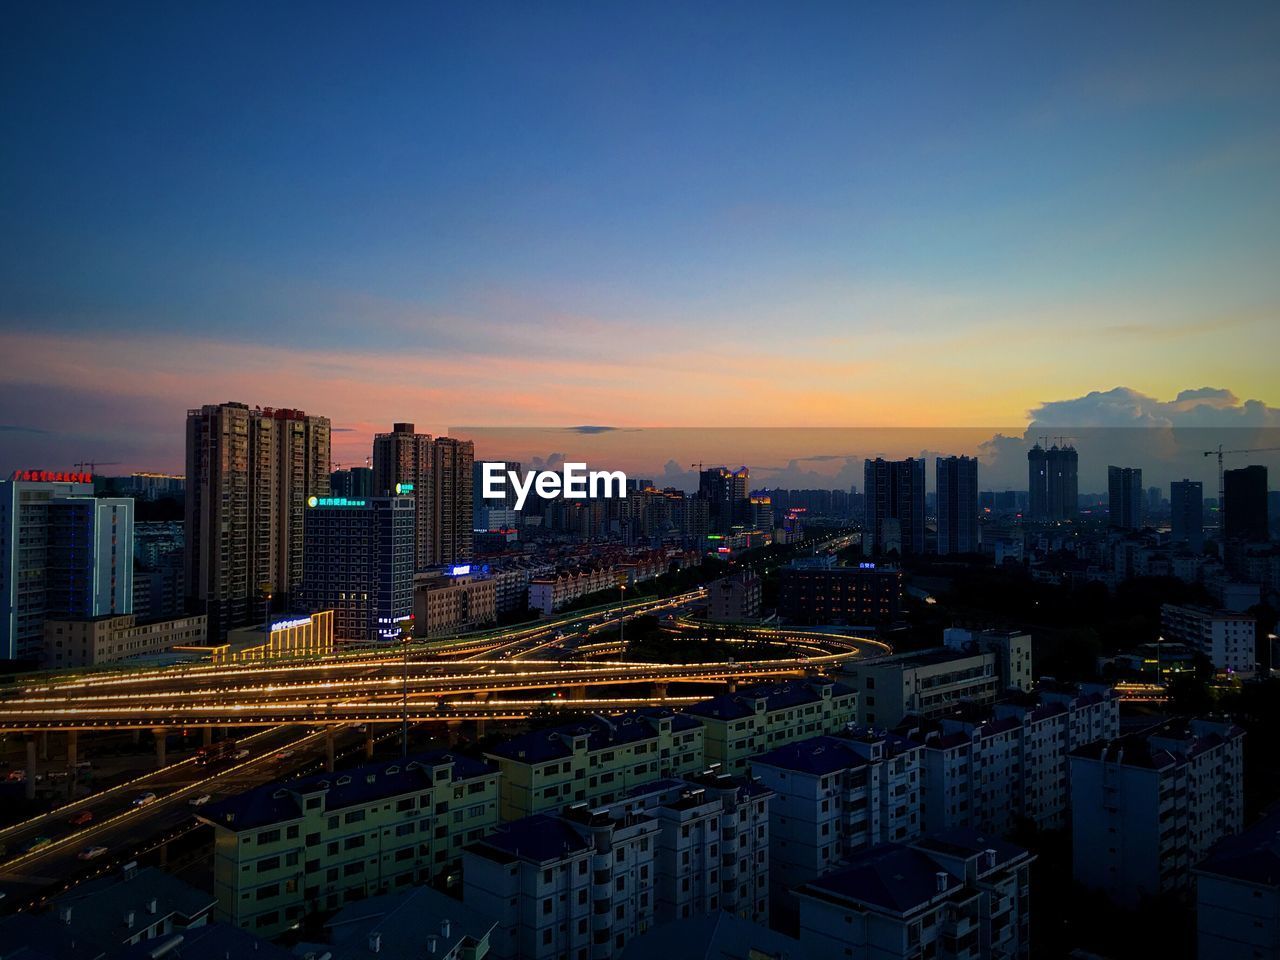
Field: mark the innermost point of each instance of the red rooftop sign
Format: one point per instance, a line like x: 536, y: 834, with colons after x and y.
x: 52, y: 476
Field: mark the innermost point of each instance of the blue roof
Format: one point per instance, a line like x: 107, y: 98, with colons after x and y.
x: 712, y: 936
x: 777, y: 696
x: 817, y: 755
x: 535, y: 839
x: 1252, y: 856
x: 555, y: 743
x: 279, y: 801
x: 890, y: 876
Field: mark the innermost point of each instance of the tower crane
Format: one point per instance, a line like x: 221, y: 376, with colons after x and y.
x: 93, y: 465
x: 1222, y: 493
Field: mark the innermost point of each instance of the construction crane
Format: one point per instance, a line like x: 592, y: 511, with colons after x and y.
x: 1222, y: 492
x: 92, y: 465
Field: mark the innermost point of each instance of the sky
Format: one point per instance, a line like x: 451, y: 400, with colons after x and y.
x: 658, y: 215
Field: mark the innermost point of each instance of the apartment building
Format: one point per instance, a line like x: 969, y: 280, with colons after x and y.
x: 112, y: 638
x: 835, y: 795
x: 595, y: 761
x: 285, y: 849
x: 743, y: 724
x: 734, y: 599
x: 1226, y: 638
x: 1238, y: 895
x: 451, y: 600
x: 957, y: 894
x: 577, y: 886
x: 1148, y: 806
x: 713, y: 844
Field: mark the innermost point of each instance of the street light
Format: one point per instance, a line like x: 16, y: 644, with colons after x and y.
x: 406, y: 634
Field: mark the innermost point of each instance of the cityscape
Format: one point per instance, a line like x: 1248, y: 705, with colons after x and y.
x: 470, y: 494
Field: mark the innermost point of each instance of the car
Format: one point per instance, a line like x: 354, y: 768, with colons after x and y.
x: 241, y: 754
x: 36, y: 844
x: 91, y: 853
x: 199, y: 801
x: 81, y: 818
x: 284, y: 754
x: 144, y: 799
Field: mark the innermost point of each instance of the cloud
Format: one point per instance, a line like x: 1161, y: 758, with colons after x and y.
x: 1126, y: 407
x: 590, y: 429
x: 16, y: 428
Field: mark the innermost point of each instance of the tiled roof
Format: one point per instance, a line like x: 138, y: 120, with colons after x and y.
x: 777, y: 696
x: 535, y: 839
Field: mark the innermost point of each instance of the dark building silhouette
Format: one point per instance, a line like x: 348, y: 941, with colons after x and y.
x: 893, y: 519
x: 1053, y: 482
x: 1245, y: 509
x: 1125, y: 497
x: 1186, y: 507
x: 957, y: 484
x: 727, y: 493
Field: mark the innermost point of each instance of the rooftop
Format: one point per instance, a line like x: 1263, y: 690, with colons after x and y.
x: 1252, y: 856
x: 556, y: 743
x: 536, y: 839
x: 777, y: 696
x: 714, y: 936
x: 891, y: 877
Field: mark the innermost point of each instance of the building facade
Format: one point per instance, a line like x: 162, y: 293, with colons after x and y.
x: 894, y: 507
x: 814, y: 590
x: 1125, y: 500
x: 116, y: 637
x: 1186, y: 514
x: 957, y: 487
x: 1245, y: 511
x: 1226, y: 638
x: 734, y: 599
x: 1238, y: 895
x: 449, y: 602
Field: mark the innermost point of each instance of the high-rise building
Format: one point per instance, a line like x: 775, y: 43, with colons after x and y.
x: 1124, y: 497
x: 359, y: 564
x: 957, y: 505
x: 63, y: 553
x: 352, y: 482
x: 1245, y: 509
x: 1053, y: 482
x: 894, y: 514
x: 1186, y: 510
x: 728, y: 496
x: 402, y: 466
x: 451, y: 501
x: 250, y: 472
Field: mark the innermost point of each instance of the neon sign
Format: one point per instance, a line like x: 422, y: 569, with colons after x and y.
x: 404, y: 488
x: 52, y: 476
x: 289, y: 624
x: 460, y: 570
x: 335, y: 502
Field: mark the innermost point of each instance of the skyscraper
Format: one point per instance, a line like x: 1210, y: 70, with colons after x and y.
x: 727, y: 493
x: 249, y: 475
x: 1186, y: 507
x: 63, y: 553
x: 402, y: 465
x: 452, y: 500
x: 894, y: 514
x: 1125, y: 497
x: 360, y: 564
x: 1053, y: 482
x: 352, y: 482
x: 957, y: 480
x: 1245, y: 509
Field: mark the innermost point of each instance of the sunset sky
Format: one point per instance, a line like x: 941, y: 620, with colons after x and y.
x: 633, y: 215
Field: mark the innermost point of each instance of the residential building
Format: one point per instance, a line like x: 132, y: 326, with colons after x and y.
x: 360, y: 558
x: 116, y: 637
x: 894, y: 512
x: 352, y: 483
x: 304, y: 635
x: 1238, y: 895
x: 734, y: 599
x: 713, y: 936
x: 146, y: 486
x: 834, y: 796
x: 933, y: 682
x: 411, y: 924
x: 1124, y: 497
x: 595, y: 761
x: 63, y: 553
x: 1053, y: 483
x: 250, y: 473
x: 727, y: 495
x: 577, y: 886
x: 451, y: 501
x: 316, y: 843
x: 957, y: 894
x: 957, y: 486
x: 1186, y: 514
x: 402, y: 467
x: 746, y: 723
x: 1244, y: 508
x: 815, y: 590
x: 1145, y: 808
x: 1226, y: 638
x: 452, y: 600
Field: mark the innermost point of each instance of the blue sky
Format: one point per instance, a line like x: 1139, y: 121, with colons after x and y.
x: 647, y: 214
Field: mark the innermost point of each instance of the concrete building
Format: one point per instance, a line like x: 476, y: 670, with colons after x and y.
x: 1238, y: 895
x: 1186, y: 514
x: 595, y: 761
x: 815, y: 590
x: 412, y: 924
x: 1053, y: 483
x: 112, y: 638
x: 309, y: 635
x: 833, y: 797
x: 352, y: 483
x: 1145, y: 808
x: 894, y: 508
x: 741, y: 725
x: 291, y: 848
x: 249, y: 475
x: 359, y: 555
x: 932, y: 683
x: 1125, y: 499
x: 1227, y: 639
x: 63, y: 553
x: 734, y: 599
x: 453, y: 600
x: 727, y: 495
x: 452, y: 501
x: 957, y: 486
x: 1245, y: 514
x: 716, y: 936
x: 578, y: 886
x: 402, y: 467
x: 957, y: 894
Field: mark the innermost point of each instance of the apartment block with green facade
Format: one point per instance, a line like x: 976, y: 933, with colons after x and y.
x: 756, y: 719
x: 596, y: 760
x: 289, y: 848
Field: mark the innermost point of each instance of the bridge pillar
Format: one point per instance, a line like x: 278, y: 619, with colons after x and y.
x: 660, y: 689
x: 329, y: 749
x: 73, y: 743
x: 732, y: 684
x: 577, y: 693
x: 44, y: 744
x: 453, y: 729
x: 368, y: 743
x: 30, y: 785
x: 162, y: 735
x: 208, y: 736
